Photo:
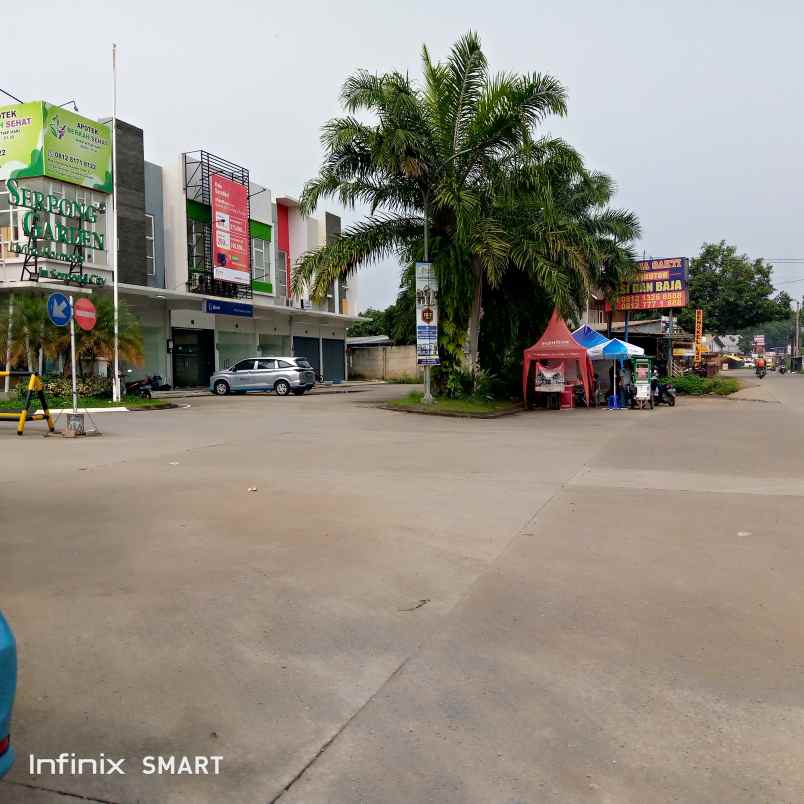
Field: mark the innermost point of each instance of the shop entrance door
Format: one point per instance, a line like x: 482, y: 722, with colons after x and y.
x: 193, y: 357
x: 333, y: 360
x: 309, y: 348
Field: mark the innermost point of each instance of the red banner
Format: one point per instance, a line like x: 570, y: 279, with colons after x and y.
x: 230, y: 237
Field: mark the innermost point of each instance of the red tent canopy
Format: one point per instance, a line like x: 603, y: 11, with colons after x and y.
x: 557, y: 343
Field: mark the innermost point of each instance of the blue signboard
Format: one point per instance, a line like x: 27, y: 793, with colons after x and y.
x: 230, y: 308
x: 58, y: 309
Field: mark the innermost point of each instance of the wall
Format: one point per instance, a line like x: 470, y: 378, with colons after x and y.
x: 130, y: 166
x: 175, y: 211
x: 383, y: 363
x: 283, y: 239
x: 154, y: 205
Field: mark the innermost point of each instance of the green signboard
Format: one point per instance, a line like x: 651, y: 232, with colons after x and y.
x: 37, y: 139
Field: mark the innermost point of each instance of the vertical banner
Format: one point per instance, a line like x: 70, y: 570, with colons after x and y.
x: 698, y: 337
x: 426, y: 315
x: 230, y: 239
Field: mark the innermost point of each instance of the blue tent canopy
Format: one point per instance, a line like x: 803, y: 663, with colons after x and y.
x: 588, y: 337
x: 615, y: 349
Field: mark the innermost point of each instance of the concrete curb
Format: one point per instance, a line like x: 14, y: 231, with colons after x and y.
x: 451, y: 414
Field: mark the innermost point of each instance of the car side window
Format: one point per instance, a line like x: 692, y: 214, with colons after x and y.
x: 244, y: 365
x: 285, y: 364
x: 266, y: 365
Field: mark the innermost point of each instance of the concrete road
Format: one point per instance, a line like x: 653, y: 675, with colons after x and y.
x: 554, y: 607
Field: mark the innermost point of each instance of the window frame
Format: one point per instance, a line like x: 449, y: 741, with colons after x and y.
x: 149, y: 223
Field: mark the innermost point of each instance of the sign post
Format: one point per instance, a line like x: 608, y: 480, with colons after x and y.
x: 72, y: 360
x: 426, y: 322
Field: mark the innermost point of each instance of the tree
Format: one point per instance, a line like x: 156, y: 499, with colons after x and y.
x: 397, y: 321
x: 461, y: 154
x: 31, y: 330
x: 427, y: 158
x: 733, y: 291
x: 777, y: 334
x: 99, y: 341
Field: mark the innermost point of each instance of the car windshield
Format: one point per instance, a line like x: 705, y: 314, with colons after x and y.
x: 302, y: 363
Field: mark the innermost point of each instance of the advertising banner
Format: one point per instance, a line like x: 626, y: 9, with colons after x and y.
x: 77, y: 150
x: 37, y: 139
x: 22, y: 135
x: 230, y: 239
x: 658, y: 284
x: 698, y: 337
x: 426, y: 315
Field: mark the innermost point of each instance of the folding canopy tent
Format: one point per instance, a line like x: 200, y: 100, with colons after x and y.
x: 615, y: 349
x: 588, y: 337
x: 557, y: 343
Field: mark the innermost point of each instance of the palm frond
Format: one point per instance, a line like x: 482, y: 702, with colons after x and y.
x: 363, y: 243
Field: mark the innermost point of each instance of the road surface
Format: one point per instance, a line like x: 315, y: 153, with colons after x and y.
x: 583, y: 606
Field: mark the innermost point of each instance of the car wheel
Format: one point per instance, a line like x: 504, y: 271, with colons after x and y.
x: 221, y: 387
x: 298, y: 391
x: 282, y: 388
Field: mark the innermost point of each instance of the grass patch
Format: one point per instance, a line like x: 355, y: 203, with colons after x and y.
x: 467, y: 406
x: 698, y: 386
x: 88, y: 402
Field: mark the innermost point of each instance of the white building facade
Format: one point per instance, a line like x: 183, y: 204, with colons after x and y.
x: 192, y: 323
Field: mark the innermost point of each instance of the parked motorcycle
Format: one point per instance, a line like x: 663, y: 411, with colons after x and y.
x: 143, y: 387
x: 664, y: 394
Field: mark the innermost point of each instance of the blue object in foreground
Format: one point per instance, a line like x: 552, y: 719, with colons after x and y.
x: 8, y: 686
x: 58, y: 309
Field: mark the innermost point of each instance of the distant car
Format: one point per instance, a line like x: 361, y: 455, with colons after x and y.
x: 8, y: 686
x: 748, y: 364
x: 282, y: 375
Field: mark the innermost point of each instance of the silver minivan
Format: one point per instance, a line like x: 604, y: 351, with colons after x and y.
x: 282, y: 375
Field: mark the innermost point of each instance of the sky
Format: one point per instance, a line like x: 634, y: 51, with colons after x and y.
x: 696, y: 109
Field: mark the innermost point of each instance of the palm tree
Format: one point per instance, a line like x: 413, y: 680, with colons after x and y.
x: 99, y: 341
x: 31, y: 330
x: 423, y: 165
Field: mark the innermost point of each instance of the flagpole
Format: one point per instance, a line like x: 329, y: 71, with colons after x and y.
x: 116, y: 377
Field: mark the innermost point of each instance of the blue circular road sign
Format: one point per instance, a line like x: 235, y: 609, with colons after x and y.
x: 58, y: 309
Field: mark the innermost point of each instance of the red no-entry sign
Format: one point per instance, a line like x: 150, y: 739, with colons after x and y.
x: 85, y: 314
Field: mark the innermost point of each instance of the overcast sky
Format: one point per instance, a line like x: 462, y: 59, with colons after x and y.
x: 695, y: 108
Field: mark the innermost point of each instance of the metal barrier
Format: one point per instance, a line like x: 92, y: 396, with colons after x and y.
x: 25, y: 414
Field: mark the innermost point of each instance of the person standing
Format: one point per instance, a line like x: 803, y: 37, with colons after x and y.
x: 626, y: 383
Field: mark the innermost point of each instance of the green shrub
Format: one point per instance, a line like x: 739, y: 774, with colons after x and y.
x: 62, y: 387
x: 698, y: 386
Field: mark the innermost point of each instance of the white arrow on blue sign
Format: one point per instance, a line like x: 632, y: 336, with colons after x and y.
x: 58, y: 309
